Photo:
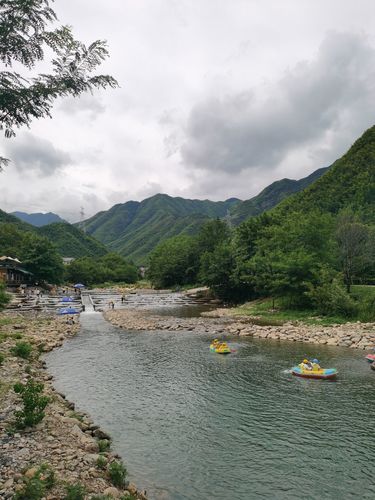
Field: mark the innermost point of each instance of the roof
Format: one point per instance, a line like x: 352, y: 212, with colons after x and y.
x: 4, y: 257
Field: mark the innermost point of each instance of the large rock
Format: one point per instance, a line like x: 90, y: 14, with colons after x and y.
x: 112, y: 492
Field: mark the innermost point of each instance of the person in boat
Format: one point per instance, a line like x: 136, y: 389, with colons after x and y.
x: 315, y: 364
x: 306, y: 365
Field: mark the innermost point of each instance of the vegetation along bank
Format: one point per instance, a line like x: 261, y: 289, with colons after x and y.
x: 48, y: 449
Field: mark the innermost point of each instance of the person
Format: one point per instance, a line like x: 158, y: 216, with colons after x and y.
x: 306, y: 365
x: 315, y: 364
x: 122, y: 299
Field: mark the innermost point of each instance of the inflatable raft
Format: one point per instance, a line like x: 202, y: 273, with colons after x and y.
x: 220, y: 348
x: 323, y: 373
x: 370, y: 358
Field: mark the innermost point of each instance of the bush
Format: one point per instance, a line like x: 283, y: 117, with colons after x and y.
x: 101, y: 462
x: 22, y: 350
x: 104, y: 445
x: 75, y: 492
x: 33, y: 404
x: 2, y: 358
x: 35, y: 488
x: 117, y: 473
x: 330, y: 298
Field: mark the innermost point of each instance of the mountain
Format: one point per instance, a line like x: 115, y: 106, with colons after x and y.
x: 134, y: 228
x: 6, y: 218
x: 349, y: 183
x: 271, y: 196
x: 71, y: 241
x: 38, y: 219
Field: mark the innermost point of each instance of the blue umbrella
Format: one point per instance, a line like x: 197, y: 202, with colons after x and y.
x: 68, y: 310
x: 79, y: 285
x: 67, y: 299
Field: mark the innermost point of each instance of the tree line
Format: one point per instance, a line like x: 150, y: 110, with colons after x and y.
x: 309, y: 260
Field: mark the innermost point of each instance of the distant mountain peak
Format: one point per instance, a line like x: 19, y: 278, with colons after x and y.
x: 38, y: 219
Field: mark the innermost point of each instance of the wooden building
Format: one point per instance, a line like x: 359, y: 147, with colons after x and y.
x: 12, y: 274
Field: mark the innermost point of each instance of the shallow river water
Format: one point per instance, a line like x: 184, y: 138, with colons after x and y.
x: 193, y: 425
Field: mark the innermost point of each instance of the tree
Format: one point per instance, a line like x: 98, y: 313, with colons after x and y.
x: 40, y: 257
x: 174, y: 262
x: 352, y: 238
x: 24, y: 39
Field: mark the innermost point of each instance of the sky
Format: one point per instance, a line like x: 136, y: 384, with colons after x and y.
x: 217, y: 99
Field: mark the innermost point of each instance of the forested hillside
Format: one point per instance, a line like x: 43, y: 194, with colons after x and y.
x: 134, y: 228
x: 306, y: 253
x: 350, y: 182
x: 71, y: 241
x: 271, y: 196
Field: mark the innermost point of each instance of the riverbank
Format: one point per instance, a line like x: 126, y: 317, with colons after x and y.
x: 68, y: 441
x: 220, y: 322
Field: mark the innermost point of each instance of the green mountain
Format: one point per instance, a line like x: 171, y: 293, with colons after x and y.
x: 38, y: 219
x: 134, y: 228
x: 271, y: 196
x: 6, y: 218
x: 71, y: 241
x: 349, y: 183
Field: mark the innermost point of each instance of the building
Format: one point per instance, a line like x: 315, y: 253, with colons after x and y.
x: 11, y: 272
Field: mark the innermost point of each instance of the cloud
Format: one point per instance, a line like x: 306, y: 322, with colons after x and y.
x: 29, y: 153
x: 86, y: 103
x: 332, y: 94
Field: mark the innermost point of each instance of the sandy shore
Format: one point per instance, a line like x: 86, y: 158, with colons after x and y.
x: 219, y: 322
x: 65, y: 440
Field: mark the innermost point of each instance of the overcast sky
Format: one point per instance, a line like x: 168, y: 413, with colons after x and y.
x: 217, y: 98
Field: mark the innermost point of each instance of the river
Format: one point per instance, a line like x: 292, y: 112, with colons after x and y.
x: 193, y: 425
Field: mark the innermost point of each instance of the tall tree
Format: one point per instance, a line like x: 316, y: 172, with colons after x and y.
x: 26, y: 31
x: 352, y: 238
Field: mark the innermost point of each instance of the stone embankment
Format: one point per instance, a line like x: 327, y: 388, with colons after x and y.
x: 219, y: 322
x: 68, y: 441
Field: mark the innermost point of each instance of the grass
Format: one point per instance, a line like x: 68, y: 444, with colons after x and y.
x: 363, y: 292
x: 265, y: 315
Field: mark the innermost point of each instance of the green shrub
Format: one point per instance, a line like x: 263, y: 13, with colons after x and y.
x: 17, y: 336
x: 75, y: 492
x: 128, y: 497
x: 330, y: 298
x: 34, y: 404
x: 22, y: 350
x: 35, y: 488
x: 2, y: 358
x: 104, y: 445
x: 117, y: 473
x: 101, y: 462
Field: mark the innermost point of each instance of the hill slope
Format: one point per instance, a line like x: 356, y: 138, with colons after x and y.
x: 38, y: 219
x: 135, y: 228
x: 271, y: 196
x: 71, y: 241
x: 350, y: 182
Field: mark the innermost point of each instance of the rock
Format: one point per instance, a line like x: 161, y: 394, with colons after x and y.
x: 132, y: 488
x: 8, y: 484
x: 112, y: 492
x: 100, y: 434
x: 30, y: 473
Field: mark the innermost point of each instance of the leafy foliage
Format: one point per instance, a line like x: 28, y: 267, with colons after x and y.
x: 110, y: 267
x: 4, y: 297
x: 75, y: 492
x: 117, y: 473
x: 36, y: 487
x: 34, y: 403
x: 24, y: 41
x: 22, y: 350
